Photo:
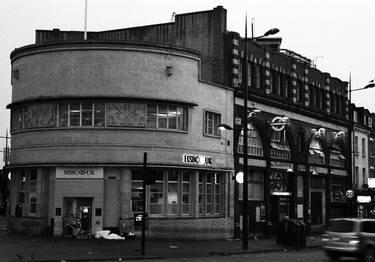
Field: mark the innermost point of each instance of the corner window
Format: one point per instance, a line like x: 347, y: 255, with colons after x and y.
x: 211, y: 121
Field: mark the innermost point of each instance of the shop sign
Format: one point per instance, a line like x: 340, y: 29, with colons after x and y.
x: 197, y: 159
x: 281, y: 165
x: 79, y: 172
x: 318, y: 170
x: 301, y: 168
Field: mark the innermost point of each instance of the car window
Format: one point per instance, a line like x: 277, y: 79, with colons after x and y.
x: 341, y: 226
x: 368, y: 227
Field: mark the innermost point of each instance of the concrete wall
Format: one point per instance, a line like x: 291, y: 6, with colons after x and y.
x: 120, y: 71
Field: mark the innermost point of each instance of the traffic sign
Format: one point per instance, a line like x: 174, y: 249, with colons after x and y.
x: 349, y: 193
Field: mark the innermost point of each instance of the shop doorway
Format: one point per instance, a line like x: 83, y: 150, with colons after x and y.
x: 318, y: 206
x: 78, y: 210
x: 280, y: 209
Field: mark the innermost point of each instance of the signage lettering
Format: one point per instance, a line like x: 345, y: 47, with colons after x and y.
x: 79, y: 172
x: 197, y: 159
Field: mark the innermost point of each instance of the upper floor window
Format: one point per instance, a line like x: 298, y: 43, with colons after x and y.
x: 100, y: 114
x: 279, y: 145
x: 336, y: 157
x: 254, y: 142
x: 316, y: 153
x: 363, y: 146
x: 356, y: 151
x: 355, y: 116
x: 211, y: 121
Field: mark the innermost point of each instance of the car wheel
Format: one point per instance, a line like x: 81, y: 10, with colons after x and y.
x: 369, y: 255
x: 333, y: 256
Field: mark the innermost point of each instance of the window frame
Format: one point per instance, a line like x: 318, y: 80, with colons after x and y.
x: 215, y: 131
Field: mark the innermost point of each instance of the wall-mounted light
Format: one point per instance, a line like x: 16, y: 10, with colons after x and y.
x: 169, y: 70
x: 315, y: 173
x: 289, y: 170
x: 239, y: 177
x: 223, y: 127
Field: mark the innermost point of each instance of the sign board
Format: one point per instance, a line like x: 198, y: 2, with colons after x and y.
x: 79, y: 172
x: 197, y: 159
x: 281, y: 165
x: 371, y: 182
x: 364, y: 199
x: 278, y: 123
x: 349, y: 193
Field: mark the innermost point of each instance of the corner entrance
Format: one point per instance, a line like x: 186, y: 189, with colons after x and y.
x: 78, y: 210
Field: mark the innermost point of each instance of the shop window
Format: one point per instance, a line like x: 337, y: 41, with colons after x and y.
x: 170, y: 195
x: 255, y: 187
x: 254, y: 142
x: 338, y: 190
x: 211, y: 121
x: 210, y: 194
x: 157, y: 194
x: 136, y: 191
x: 32, y: 205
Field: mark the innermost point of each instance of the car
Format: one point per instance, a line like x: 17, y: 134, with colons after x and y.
x: 350, y: 237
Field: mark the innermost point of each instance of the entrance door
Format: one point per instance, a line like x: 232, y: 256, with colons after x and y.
x: 316, y: 208
x: 279, y: 210
x: 80, y: 210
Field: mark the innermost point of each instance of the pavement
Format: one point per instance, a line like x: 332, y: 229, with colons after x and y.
x: 20, y: 247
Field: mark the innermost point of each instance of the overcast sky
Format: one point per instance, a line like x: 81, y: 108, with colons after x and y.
x: 338, y: 34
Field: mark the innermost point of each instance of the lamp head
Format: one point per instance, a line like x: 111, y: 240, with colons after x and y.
x: 271, y: 32
x: 224, y: 127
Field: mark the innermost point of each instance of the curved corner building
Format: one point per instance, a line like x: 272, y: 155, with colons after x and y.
x: 82, y: 116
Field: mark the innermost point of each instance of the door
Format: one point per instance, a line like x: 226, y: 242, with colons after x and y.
x: 316, y: 208
x: 84, y: 212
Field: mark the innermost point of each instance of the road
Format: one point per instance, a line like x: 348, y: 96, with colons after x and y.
x: 310, y: 255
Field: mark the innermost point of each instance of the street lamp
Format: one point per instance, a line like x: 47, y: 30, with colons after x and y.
x: 371, y: 84
x: 245, y: 218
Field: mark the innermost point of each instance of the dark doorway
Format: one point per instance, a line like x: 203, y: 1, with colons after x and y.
x: 316, y: 208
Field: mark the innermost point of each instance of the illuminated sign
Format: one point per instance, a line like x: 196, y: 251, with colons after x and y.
x: 79, y: 172
x: 197, y: 159
x: 363, y: 199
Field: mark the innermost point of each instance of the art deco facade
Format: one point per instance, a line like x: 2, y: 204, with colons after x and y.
x: 83, y: 114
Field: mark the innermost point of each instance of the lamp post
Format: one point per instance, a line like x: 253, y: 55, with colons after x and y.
x: 371, y: 84
x: 245, y: 217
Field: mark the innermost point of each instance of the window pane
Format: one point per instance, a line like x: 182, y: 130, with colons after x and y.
x: 151, y: 116
x: 137, y: 191
x: 172, y: 117
x: 162, y: 117
x: 180, y: 119
x: 157, y: 195
x: 63, y: 115
x: 86, y: 114
x: 75, y: 114
x: 99, y: 114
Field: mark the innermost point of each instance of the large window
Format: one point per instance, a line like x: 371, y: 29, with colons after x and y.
x: 316, y: 153
x: 210, y: 198
x: 255, y: 187
x: 338, y: 189
x: 211, y: 121
x: 173, y: 193
x: 363, y: 147
x: 254, y: 142
x: 336, y: 157
x: 27, y: 188
x: 279, y: 146
x: 100, y: 114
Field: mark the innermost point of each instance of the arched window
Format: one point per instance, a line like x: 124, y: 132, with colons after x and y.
x: 336, y: 157
x: 316, y: 153
x: 254, y: 143
x: 279, y: 145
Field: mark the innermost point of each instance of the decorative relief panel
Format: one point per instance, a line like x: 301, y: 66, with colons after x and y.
x: 126, y: 114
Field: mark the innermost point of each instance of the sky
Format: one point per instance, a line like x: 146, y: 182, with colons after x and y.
x: 339, y: 35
